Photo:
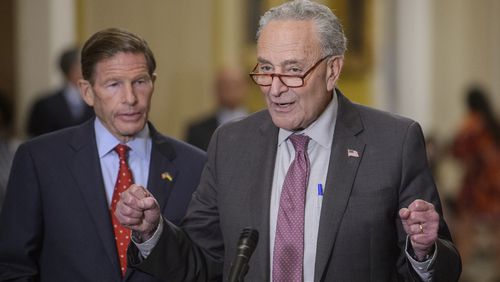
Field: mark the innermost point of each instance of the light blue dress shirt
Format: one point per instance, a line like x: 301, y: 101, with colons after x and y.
x: 139, y: 157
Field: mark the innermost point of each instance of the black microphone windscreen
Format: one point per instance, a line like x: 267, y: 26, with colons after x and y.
x: 246, y: 245
x: 248, y: 240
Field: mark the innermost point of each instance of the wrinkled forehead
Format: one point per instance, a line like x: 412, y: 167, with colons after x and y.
x: 122, y: 65
x: 288, y: 40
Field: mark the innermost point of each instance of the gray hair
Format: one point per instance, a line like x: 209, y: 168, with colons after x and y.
x: 329, y: 29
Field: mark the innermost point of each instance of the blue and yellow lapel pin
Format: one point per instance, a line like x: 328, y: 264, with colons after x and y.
x: 167, y: 176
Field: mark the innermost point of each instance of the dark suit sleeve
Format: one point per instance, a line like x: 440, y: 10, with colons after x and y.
x: 21, y: 222
x: 417, y: 183
x: 175, y: 258
x: 193, y: 252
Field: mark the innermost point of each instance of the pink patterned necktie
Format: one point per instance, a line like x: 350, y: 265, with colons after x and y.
x: 288, y: 256
x: 123, y: 181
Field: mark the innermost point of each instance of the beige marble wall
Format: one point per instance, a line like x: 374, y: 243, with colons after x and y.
x: 427, y: 52
x: 466, y: 50
x: 191, y: 39
x: 43, y: 29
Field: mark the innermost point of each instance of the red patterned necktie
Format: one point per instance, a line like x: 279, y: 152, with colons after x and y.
x: 288, y: 256
x: 123, y: 181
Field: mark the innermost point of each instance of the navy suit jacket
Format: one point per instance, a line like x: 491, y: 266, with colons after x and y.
x: 55, y: 223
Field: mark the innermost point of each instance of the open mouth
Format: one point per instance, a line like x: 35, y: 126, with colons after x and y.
x: 283, y: 107
x: 284, y: 104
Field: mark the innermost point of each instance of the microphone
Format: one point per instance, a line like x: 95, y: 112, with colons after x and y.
x: 246, y: 245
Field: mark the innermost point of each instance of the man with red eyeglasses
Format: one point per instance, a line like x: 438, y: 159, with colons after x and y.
x: 336, y: 190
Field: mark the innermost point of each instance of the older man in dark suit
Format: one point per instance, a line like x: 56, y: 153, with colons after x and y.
x: 337, y: 191
x: 57, y: 223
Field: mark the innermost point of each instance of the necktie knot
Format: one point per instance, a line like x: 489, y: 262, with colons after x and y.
x: 300, y: 142
x: 122, y: 151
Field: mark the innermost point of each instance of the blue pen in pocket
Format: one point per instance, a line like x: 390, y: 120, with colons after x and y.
x: 320, y: 189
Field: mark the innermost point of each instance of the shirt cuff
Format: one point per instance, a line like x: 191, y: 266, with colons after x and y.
x: 422, y: 268
x: 146, y: 247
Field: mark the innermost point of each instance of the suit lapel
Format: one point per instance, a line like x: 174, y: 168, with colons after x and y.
x: 162, y: 172
x: 346, y: 154
x: 86, y: 169
x: 263, y: 168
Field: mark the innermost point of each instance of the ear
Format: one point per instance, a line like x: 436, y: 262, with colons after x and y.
x: 153, y: 79
x: 86, y: 91
x: 334, y: 67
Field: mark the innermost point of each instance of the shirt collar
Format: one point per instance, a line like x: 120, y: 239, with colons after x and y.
x: 321, y: 130
x: 106, y: 142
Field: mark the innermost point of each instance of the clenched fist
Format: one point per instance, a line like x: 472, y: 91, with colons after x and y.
x: 139, y: 211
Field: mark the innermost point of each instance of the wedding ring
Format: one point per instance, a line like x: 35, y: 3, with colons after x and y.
x: 421, y: 228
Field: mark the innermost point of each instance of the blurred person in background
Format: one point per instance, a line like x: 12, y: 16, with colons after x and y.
x: 64, y: 107
x: 230, y: 92
x: 7, y: 144
x: 477, y: 147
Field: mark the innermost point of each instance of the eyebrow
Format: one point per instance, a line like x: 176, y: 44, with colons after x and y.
x: 142, y: 76
x: 136, y: 77
x: 285, y: 63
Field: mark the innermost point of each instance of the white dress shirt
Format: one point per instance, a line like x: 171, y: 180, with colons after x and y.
x: 321, y: 134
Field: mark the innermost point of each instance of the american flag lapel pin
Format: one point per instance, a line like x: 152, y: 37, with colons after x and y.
x: 352, y: 153
x: 167, y: 176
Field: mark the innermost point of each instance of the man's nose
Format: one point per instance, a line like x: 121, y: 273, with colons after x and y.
x: 277, y: 86
x: 130, y: 96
